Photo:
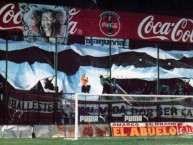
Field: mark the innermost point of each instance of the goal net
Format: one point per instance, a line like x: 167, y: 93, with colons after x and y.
x: 98, y: 114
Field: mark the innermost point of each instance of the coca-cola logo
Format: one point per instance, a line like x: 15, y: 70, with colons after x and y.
x: 72, y: 25
x: 109, y: 23
x: 173, y: 31
x: 9, y: 14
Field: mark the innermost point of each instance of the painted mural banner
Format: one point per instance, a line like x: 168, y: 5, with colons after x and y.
x: 151, y: 129
x: 53, y: 131
x: 134, y: 129
x: 100, y: 23
x: 44, y: 22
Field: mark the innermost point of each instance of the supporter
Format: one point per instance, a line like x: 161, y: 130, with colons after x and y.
x: 145, y: 88
x: 186, y: 88
x: 105, y: 84
x: 85, y: 88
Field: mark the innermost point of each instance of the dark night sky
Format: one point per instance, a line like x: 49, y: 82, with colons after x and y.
x: 179, y: 8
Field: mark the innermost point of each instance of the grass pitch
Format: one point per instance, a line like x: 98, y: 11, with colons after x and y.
x: 175, y: 140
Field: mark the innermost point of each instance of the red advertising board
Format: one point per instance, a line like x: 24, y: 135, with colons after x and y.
x: 144, y: 129
x: 133, y: 26
x: 151, y: 128
x: 100, y: 23
x: 10, y: 17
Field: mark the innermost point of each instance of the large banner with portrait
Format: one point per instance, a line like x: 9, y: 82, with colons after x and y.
x: 44, y: 22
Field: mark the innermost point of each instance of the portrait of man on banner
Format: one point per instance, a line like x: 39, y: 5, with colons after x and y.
x: 44, y: 23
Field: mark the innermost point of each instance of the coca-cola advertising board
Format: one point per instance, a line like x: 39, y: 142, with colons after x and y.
x: 111, y: 24
x: 133, y: 26
x: 10, y: 17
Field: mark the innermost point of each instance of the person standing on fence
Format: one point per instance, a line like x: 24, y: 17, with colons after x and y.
x: 106, y: 86
x: 1, y: 91
x: 48, y: 83
x: 85, y: 88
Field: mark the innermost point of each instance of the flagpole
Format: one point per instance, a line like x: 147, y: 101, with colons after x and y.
x: 56, y: 77
x: 110, y: 57
x: 6, y: 77
x: 110, y: 63
x: 110, y: 29
x: 158, y: 73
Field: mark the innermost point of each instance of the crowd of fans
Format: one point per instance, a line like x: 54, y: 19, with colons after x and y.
x: 166, y: 87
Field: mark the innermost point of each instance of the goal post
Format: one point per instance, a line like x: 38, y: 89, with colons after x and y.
x: 76, y: 118
x: 94, y: 114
